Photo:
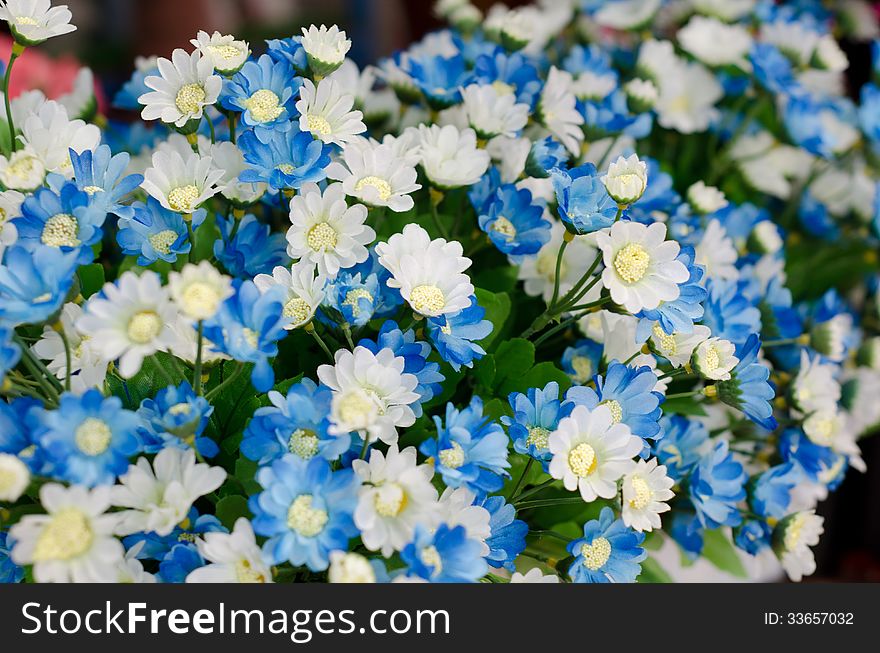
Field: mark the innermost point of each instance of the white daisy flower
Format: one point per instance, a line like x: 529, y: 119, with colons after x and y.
x: 688, y: 94
x: 184, y: 87
x: 225, y: 53
x: 347, y: 567
x: 10, y: 208
x: 829, y: 337
x: 591, y: 453
x: 14, y: 477
x: 181, y: 183
x: 225, y: 156
x: 640, y: 266
x: 717, y: 253
x: 641, y: 95
x: 325, y: 48
x: 831, y: 428
x: 371, y: 393
x: 129, y: 320
x: 626, y: 179
x: 815, y: 387
x: 645, y: 491
x: 716, y: 43
x: 50, y: 135
x: 74, y: 541
x: 186, y: 341
x: 428, y: 273
x: 706, y: 199
x: 714, y: 359
x: 793, y: 537
x: 232, y: 557
x: 396, y: 495
x: 829, y: 56
x: 327, y: 111
x: 80, y: 102
x: 87, y: 368
x: 678, y: 347
x: 534, y: 575
x: 557, y: 110
x: 626, y: 14
x: 326, y: 231
x: 158, y: 497
x: 130, y: 570
x: 456, y: 508
x: 539, y: 271
x: 33, y: 21
x: 305, y: 291
x: 592, y: 86
x: 375, y: 175
x: 491, y: 113
x: 199, y: 290
x: 766, y: 238
x: 451, y: 158
x: 728, y: 10
x: 23, y: 170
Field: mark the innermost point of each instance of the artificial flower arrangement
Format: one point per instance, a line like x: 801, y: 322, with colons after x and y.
x: 546, y: 291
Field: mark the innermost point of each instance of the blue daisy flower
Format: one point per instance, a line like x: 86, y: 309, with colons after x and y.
x: 772, y: 69
x: 770, y: 494
x: 180, y: 560
x: 728, y: 312
x: 685, y: 528
x: 536, y: 415
x: 659, y: 195
x: 248, y: 327
x: 264, y: 92
x: 9, y: 571
x: 154, y: 233
x: 483, y: 192
x: 813, y: 459
x: 513, y: 71
x: 678, y: 315
x: 678, y: 448
x: 544, y: 155
x: 716, y: 485
x: 446, y: 555
x: 748, y: 388
x: 297, y: 424
x: 102, y: 177
x: 291, y: 51
x: 89, y: 438
x: 440, y: 79
x: 752, y: 536
x: 10, y: 353
x: 61, y: 220
x: 611, y: 116
x: 629, y: 393
x: 415, y: 355
x: 19, y: 420
x: 283, y: 160
x: 127, y: 96
x: 352, y: 297
x: 609, y: 552
x: 470, y: 450
x: 34, y: 284
x: 388, y: 299
x: 253, y: 250
x: 513, y: 223
x: 305, y: 510
x: 507, y: 537
x: 176, y: 417
x: 581, y: 360
x: 455, y: 336
x: 584, y: 204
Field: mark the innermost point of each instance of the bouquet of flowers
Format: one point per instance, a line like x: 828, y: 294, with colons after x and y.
x: 545, y: 292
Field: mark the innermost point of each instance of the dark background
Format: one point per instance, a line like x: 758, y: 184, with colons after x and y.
x: 112, y: 32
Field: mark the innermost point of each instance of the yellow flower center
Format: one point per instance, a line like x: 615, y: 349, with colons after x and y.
x: 318, y: 125
x: 92, y: 436
x: 539, y: 437
x: 792, y: 536
x: 61, y: 230
x: 711, y: 359
x: 91, y: 190
x: 251, y: 337
x: 430, y: 556
x: 502, y: 88
x: 67, y: 535
x: 321, y: 237
x: 225, y: 52
x: 427, y: 298
x: 641, y: 493
x: 453, y: 458
x: 26, y: 20
x: 298, y: 310
x: 200, y: 299
x: 163, y: 240
x: 356, y: 408
x: 615, y: 408
x: 245, y: 572
x: 390, y: 500
x: 583, y: 368
x: 666, y: 343
x: 596, y: 554
x: 352, y: 297
x: 22, y: 165
x: 264, y: 105
x: 504, y: 227
x: 183, y: 198
x: 190, y: 98
x: 304, y: 443
x: 143, y: 327
x: 631, y: 262
x: 381, y: 186
x: 582, y: 460
x: 304, y: 519
x: 179, y: 409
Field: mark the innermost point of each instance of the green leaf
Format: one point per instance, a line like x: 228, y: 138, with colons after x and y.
x: 686, y: 406
x: 719, y: 550
x: 537, y: 377
x: 497, y: 307
x: 496, y: 409
x: 91, y: 278
x: 231, y: 508
x: 484, y: 371
x: 652, y: 572
x: 653, y: 541
x: 512, y: 360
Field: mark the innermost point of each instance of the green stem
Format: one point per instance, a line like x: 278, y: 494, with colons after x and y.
x: 67, y: 357
x: 590, y: 305
x: 320, y: 341
x: 557, y: 280
x: 366, y: 446
x: 214, y: 392
x: 601, y: 164
x: 522, y: 478
x: 534, y: 490
x: 545, y: 503
x: 197, y: 370
x: 211, y: 129
x: 346, y: 329
x: 191, y: 234
x: 684, y: 395
x: 558, y: 536
x: 436, y: 218
x: 559, y: 327
x: 230, y: 117
x: 16, y: 50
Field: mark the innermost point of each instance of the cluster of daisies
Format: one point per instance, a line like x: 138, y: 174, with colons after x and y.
x: 551, y: 289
